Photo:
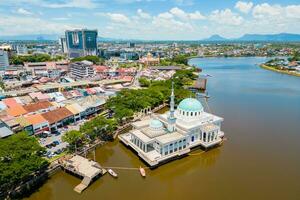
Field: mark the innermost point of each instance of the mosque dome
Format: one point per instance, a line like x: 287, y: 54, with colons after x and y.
x: 155, y: 124
x: 190, y: 105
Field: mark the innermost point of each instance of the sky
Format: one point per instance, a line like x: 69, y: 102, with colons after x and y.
x: 151, y: 19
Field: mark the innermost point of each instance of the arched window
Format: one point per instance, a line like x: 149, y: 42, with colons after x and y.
x: 183, y: 112
x: 204, y: 136
x: 191, y: 113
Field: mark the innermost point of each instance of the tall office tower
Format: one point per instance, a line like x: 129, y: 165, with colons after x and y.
x: 4, y: 62
x: 81, y: 42
x: 63, y: 43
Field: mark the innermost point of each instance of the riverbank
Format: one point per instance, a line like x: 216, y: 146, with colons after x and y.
x: 279, y: 71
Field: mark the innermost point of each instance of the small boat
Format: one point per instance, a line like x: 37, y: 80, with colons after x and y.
x: 143, y: 172
x: 112, y: 173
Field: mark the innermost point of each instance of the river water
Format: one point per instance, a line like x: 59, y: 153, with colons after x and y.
x: 260, y: 159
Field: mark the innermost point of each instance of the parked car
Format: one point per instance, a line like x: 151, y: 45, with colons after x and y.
x: 47, y: 153
x: 59, y: 151
x: 56, y: 133
x: 56, y: 142
x: 43, y: 135
x: 49, y: 146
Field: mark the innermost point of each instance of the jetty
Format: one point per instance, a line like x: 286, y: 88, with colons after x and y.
x: 87, y: 169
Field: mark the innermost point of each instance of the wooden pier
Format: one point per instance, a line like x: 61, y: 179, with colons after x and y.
x: 87, y: 169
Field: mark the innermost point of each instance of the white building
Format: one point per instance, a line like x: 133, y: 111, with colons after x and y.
x: 173, y: 134
x: 82, y: 69
x: 4, y: 62
x: 22, y: 50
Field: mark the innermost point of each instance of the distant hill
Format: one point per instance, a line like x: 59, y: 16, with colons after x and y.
x: 281, y: 37
x: 215, y: 38
x: 31, y: 37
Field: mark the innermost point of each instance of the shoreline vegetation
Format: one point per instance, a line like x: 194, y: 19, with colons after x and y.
x: 279, y: 70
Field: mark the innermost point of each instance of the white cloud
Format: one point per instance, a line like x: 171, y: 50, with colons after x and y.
x: 165, y: 15
x: 226, y: 17
x: 179, y: 13
x: 118, y: 18
x: 60, y: 18
x: 15, y: 25
x: 182, y: 15
x: 293, y: 11
x: 196, y: 15
x: 244, y: 7
x: 23, y: 11
x: 143, y: 14
x: 72, y: 4
x: 265, y: 9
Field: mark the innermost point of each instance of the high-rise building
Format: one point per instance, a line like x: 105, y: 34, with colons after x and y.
x: 81, y: 42
x: 4, y: 62
x: 63, y: 43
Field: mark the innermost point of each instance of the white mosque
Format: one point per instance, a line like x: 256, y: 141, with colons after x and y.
x: 173, y: 134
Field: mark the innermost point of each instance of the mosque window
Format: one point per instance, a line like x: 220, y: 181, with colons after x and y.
x: 191, y: 113
x: 171, y: 148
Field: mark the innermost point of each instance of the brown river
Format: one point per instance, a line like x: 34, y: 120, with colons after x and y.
x: 259, y: 160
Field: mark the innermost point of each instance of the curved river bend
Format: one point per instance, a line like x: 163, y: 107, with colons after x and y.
x: 260, y: 159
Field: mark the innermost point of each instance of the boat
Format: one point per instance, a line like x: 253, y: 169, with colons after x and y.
x: 143, y: 172
x: 112, y: 173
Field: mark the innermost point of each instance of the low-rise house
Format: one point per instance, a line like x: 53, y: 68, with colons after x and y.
x: 38, y: 122
x: 92, y: 105
x: 15, y: 111
x: 40, y: 106
x: 58, y: 118
x: 38, y: 96
x: 5, y: 131
x: 77, y: 110
x: 57, y: 96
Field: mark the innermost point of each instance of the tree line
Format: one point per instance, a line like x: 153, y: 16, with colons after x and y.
x: 21, y: 159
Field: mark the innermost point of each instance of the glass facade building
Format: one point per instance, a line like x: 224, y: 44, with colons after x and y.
x: 81, y: 42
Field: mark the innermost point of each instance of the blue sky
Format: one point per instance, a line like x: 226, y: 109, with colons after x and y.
x: 151, y: 19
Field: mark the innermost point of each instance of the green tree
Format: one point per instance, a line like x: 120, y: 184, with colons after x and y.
x: 74, y: 138
x: 99, y: 127
x: 295, y: 56
x: 144, y: 82
x: 93, y: 59
x: 21, y: 157
x: 20, y: 60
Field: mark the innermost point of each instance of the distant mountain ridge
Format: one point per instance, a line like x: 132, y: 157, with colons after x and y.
x: 281, y: 37
x: 31, y: 37
x: 215, y: 38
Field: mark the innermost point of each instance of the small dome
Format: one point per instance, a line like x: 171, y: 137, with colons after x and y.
x: 155, y: 124
x: 190, y: 105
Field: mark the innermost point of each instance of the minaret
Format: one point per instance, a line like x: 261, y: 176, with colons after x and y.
x: 171, y: 117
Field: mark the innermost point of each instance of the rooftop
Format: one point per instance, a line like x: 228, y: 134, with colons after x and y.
x: 57, y: 115
x: 164, y: 139
x: 37, y: 106
x: 190, y: 105
x: 35, y: 119
x: 16, y: 110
